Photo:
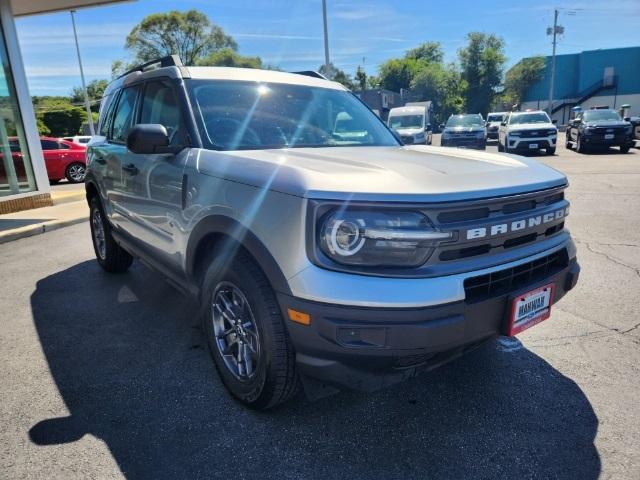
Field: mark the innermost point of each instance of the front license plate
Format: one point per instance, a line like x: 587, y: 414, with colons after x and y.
x: 533, y: 146
x: 609, y: 136
x: 530, y: 309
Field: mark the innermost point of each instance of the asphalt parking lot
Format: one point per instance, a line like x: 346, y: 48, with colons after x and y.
x: 107, y: 376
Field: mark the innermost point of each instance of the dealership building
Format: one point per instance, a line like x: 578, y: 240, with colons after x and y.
x: 604, y: 78
x: 23, y: 175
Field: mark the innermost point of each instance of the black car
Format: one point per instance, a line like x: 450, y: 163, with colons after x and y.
x: 599, y: 128
x: 465, y: 130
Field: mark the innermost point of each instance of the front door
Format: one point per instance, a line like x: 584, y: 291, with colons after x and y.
x: 118, y: 159
x: 154, y: 194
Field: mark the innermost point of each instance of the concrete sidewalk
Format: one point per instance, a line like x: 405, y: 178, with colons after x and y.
x: 27, y: 223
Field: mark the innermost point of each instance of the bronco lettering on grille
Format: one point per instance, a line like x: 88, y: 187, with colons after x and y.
x: 515, y: 225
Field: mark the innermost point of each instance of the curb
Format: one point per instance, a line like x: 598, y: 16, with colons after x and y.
x: 31, y: 230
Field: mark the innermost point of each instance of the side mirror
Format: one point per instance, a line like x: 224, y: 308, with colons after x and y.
x: 627, y: 119
x: 442, y: 126
x: 428, y: 127
x: 148, y: 138
x: 554, y: 121
x: 504, y: 124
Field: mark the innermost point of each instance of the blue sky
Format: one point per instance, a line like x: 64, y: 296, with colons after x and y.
x: 288, y: 34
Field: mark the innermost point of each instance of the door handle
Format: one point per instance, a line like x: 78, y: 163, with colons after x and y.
x: 100, y: 160
x: 130, y: 169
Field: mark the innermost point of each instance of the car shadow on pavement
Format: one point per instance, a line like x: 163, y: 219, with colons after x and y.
x: 128, y: 358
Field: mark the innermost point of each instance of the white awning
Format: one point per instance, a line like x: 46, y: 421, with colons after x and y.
x: 32, y: 7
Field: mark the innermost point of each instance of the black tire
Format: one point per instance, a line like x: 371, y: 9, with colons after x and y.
x: 273, y: 378
x: 54, y: 182
x: 580, y: 147
x: 567, y: 142
x: 111, y: 256
x: 625, y: 149
x: 75, y: 172
x: 500, y: 147
x: 550, y: 151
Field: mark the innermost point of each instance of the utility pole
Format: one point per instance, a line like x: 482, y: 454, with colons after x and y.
x: 326, y: 37
x: 84, y: 87
x: 557, y: 29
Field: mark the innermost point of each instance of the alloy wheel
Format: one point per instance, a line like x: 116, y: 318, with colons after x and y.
x: 77, y: 172
x: 235, y: 332
x: 99, y: 234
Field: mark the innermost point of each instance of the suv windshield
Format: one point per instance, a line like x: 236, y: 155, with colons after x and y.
x: 406, y: 121
x: 594, y: 115
x: 495, y: 118
x: 537, y: 117
x: 465, y: 121
x: 235, y: 115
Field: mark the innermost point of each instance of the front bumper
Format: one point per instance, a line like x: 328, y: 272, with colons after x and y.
x: 616, y: 141
x: 365, y: 348
x: 519, y: 144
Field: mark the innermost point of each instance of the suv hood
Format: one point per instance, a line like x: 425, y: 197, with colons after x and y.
x: 532, y: 126
x: 409, y: 173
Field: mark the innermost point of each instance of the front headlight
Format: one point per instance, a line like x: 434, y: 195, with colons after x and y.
x: 553, y: 131
x: 589, y: 130
x: 378, y: 238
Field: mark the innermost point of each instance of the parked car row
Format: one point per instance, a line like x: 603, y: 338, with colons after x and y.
x: 529, y: 131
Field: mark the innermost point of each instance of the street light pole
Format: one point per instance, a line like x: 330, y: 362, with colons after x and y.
x: 326, y: 36
x: 553, y: 31
x: 84, y: 87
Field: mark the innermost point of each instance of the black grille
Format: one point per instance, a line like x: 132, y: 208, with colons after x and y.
x: 510, y: 279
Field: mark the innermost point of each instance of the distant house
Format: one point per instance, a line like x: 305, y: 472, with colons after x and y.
x: 381, y: 100
x: 608, y: 78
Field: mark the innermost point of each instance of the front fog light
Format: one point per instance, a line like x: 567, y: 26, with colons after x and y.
x: 378, y: 238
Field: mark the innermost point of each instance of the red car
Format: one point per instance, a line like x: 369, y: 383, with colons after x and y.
x: 63, y: 159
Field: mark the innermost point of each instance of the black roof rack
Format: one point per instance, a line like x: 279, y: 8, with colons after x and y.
x: 311, y: 73
x: 168, y: 61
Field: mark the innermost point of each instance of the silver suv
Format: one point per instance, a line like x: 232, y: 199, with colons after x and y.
x: 320, y: 256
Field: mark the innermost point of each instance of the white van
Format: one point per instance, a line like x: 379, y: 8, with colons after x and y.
x: 412, y: 122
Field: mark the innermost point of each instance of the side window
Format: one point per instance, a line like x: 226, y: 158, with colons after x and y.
x: 160, y: 105
x: 49, y: 145
x: 125, y: 112
x: 63, y: 146
x: 105, y: 114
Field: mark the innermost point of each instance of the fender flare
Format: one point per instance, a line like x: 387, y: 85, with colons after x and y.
x: 221, y: 224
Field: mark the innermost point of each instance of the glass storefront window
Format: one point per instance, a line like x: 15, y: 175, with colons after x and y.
x: 16, y: 173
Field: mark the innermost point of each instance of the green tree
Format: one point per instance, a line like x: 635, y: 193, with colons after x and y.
x: 228, y: 57
x: 337, y: 75
x: 397, y: 73
x: 56, y: 116
x: 95, y: 89
x: 191, y: 35
x: 443, y: 85
x: 520, y: 77
x: 427, y: 51
x: 361, y: 78
x: 482, y: 63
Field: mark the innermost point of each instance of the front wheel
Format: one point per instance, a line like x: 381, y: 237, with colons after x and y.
x: 246, y: 334
x: 500, y: 147
x: 550, y: 150
x: 111, y: 256
x: 76, y: 172
x: 625, y: 149
x: 567, y: 142
x: 580, y: 146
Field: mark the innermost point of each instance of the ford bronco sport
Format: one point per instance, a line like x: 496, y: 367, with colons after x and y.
x: 320, y: 257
